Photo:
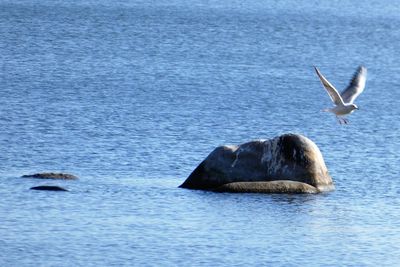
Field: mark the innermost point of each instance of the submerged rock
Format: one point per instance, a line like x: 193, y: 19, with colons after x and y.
x: 51, y: 175
x: 48, y: 188
x: 289, y: 163
x: 283, y: 186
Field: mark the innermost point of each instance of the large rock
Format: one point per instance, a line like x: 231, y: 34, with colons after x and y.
x: 289, y: 163
x: 51, y: 175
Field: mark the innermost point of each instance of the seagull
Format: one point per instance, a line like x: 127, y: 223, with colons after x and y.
x: 344, y: 101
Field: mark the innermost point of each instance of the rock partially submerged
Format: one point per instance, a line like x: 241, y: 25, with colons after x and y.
x: 51, y: 175
x: 283, y: 186
x: 289, y: 163
x: 48, y: 188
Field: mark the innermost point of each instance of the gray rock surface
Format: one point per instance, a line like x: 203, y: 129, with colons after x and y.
x: 290, y: 163
x: 51, y: 175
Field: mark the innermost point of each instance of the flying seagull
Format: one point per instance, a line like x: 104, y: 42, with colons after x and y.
x: 344, y: 101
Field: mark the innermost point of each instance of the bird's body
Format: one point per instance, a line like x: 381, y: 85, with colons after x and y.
x: 342, y: 110
x: 344, y: 102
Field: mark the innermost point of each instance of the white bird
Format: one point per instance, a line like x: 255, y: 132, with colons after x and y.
x: 344, y: 101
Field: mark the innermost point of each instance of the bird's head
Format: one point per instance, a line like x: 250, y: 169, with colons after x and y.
x: 354, y: 106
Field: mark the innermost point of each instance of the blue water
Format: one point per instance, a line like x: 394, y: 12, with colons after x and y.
x: 132, y: 95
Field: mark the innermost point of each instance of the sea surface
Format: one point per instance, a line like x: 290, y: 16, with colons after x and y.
x: 132, y: 95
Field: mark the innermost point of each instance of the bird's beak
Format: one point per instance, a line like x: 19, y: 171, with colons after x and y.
x: 358, y: 108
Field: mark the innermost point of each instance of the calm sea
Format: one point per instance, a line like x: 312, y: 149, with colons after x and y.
x: 132, y: 95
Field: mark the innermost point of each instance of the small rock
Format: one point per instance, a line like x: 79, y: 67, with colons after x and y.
x: 51, y: 175
x: 48, y: 188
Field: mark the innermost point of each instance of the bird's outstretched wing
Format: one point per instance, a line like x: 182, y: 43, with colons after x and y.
x: 333, y: 93
x: 356, y: 86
